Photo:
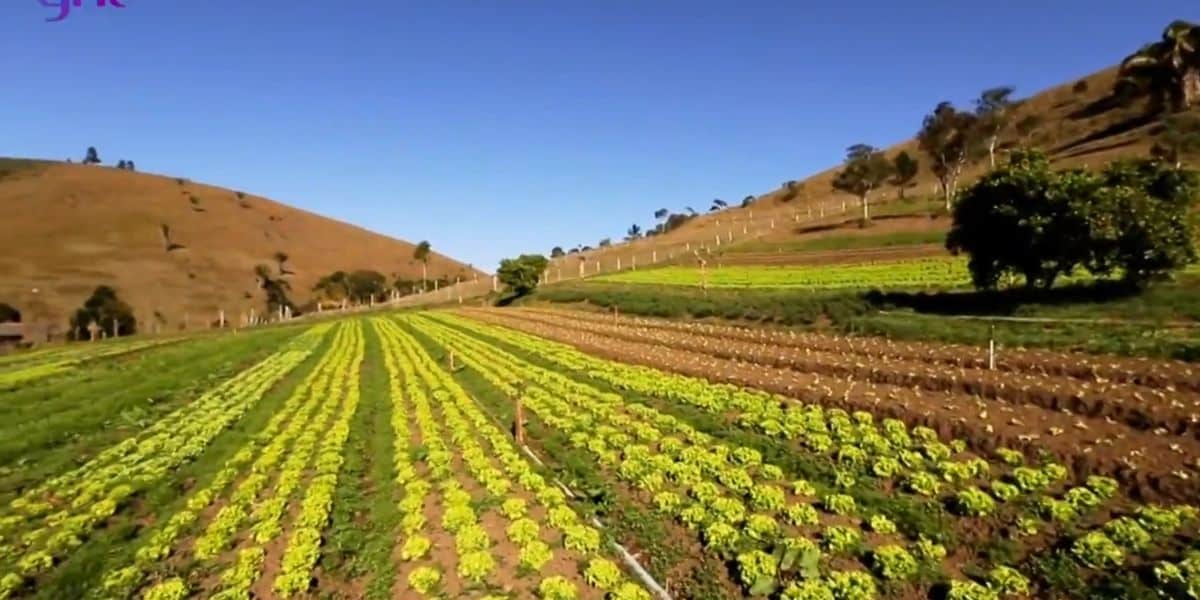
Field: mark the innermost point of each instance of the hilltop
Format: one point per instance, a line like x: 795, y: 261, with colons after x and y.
x: 171, y: 247
x: 1077, y: 123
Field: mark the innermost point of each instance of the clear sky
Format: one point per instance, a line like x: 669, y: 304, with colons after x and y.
x: 492, y: 128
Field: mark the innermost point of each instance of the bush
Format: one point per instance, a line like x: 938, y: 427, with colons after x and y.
x: 1080, y: 86
x: 8, y: 314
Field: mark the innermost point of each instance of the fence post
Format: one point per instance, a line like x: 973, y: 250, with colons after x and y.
x: 992, y: 347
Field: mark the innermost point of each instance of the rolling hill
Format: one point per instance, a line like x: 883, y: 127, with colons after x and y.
x: 1077, y: 123
x: 173, y: 249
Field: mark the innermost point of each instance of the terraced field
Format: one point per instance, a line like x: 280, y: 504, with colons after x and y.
x: 917, y: 273
x: 381, y: 457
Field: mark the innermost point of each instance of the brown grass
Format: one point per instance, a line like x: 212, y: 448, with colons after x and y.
x: 69, y: 228
x: 1078, y: 128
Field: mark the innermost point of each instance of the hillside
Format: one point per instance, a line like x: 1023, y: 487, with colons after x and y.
x: 1077, y: 124
x: 70, y: 227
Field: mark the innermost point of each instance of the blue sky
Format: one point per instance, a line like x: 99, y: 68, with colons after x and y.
x: 493, y: 128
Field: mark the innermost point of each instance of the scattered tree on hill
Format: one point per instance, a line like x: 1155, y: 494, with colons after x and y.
x: 9, y: 314
x: 992, y: 109
x: 865, y: 169
x: 333, y: 286
x: 793, y: 189
x: 275, y: 288
x: 691, y: 211
x: 904, y: 170
x: 107, y: 312
x: 675, y: 220
x: 556, y: 252
x: 747, y: 201
x: 364, y: 285
x: 604, y: 243
x: 633, y: 233
x: 521, y: 275
x: 92, y: 157
x: 1168, y: 70
x: 661, y: 214
x: 718, y: 204
x: 421, y: 254
x: 949, y: 138
x: 1131, y: 220
x: 1180, y: 138
x: 121, y: 164
x: 129, y: 166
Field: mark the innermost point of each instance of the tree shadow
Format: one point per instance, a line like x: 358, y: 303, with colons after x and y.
x: 1000, y: 302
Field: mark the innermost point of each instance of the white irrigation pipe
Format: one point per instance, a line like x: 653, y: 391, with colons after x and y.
x: 629, y: 560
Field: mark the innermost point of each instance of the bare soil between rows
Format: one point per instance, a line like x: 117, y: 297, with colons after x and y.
x: 1141, y: 407
x: 1148, y: 465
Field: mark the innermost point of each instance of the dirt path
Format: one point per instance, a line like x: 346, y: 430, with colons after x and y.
x: 1148, y: 465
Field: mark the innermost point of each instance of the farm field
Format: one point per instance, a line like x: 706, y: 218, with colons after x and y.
x: 923, y: 273
x: 375, y: 457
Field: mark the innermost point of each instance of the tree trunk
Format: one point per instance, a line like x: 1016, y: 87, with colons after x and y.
x: 866, y: 210
x: 992, y: 151
x: 1191, y: 88
x: 424, y: 275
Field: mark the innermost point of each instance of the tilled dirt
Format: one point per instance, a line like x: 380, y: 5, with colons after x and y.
x: 1163, y: 374
x: 1151, y: 466
x: 1141, y: 407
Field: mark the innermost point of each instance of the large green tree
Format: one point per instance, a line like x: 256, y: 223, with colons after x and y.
x: 1132, y: 220
x: 1141, y: 226
x: 865, y: 170
x: 521, y: 274
x: 1169, y: 69
x: 1019, y: 219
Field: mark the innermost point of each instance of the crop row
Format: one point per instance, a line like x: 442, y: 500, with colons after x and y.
x: 919, y: 273
x: 49, y: 521
x: 1087, y: 367
x: 1141, y: 407
x: 23, y: 368
x: 254, y: 488
x: 1146, y: 462
x: 742, y: 507
x: 479, y: 467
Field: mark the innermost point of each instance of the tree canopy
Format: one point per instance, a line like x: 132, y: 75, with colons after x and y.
x: 521, y: 274
x: 1132, y: 220
x: 949, y: 137
x: 865, y: 169
x: 1168, y: 70
x: 904, y: 170
x: 104, y: 309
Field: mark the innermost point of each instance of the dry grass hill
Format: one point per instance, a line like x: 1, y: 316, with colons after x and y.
x: 1076, y: 123
x: 169, y: 246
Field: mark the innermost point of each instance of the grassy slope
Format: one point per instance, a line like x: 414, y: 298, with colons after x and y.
x: 71, y: 227
x: 1078, y: 128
